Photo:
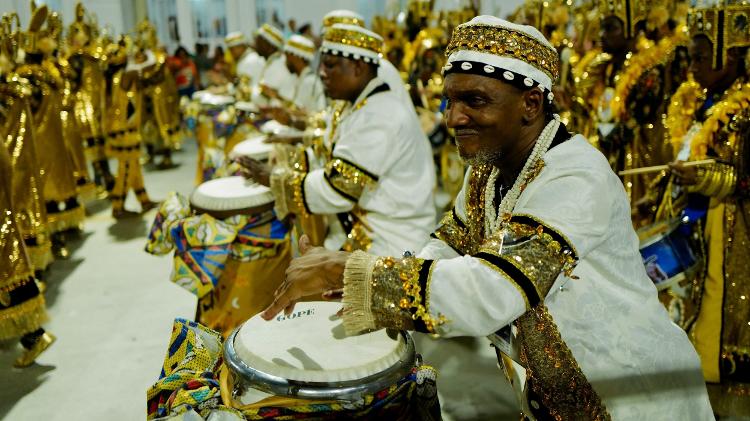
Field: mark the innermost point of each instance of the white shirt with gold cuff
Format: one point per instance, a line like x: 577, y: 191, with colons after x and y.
x: 589, y: 338
x: 377, y: 186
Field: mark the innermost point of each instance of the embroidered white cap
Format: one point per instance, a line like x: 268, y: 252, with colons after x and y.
x: 272, y: 34
x: 300, y: 46
x: 354, y: 42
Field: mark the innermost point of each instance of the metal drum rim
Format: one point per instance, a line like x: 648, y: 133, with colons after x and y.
x: 349, y: 390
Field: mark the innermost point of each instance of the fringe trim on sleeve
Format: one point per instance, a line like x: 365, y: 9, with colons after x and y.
x: 357, y: 299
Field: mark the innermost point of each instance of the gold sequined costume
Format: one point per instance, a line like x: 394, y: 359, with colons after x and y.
x: 87, y: 60
x: 64, y: 212
x: 720, y: 129
x: 27, y: 189
x: 22, y: 308
x: 160, y: 95
x: 125, y: 106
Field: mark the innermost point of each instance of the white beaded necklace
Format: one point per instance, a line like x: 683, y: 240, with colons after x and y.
x: 495, y: 219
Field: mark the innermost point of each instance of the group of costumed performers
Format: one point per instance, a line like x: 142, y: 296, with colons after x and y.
x: 578, y: 151
x: 68, y: 103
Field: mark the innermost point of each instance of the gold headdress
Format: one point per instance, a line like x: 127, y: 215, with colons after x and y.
x: 30, y: 39
x: 421, y: 8
x: 726, y: 26
x: 630, y: 12
x: 10, y: 34
x: 79, y: 25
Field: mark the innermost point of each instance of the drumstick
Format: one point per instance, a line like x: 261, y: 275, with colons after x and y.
x: 657, y: 168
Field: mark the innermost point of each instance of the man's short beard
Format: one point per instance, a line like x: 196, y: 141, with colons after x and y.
x: 483, y: 157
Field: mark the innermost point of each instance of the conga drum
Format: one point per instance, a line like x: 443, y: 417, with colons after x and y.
x: 303, y: 366
x: 259, y: 255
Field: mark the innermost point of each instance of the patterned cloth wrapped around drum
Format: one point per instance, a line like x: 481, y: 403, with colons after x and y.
x: 196, y: 378
x: 232, y: 263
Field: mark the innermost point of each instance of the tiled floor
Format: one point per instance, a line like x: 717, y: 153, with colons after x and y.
x: 111, y: 307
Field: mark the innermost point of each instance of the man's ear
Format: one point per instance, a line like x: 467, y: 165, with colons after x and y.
x: 533, y: 104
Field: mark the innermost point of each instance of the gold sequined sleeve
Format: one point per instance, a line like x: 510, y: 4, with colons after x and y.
x: 347, y: 178
x: 531, y: 255
x: 287, y: 185
x: 386, y: 292
x: 453, y: 231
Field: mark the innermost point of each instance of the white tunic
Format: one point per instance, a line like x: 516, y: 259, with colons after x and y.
x: 381, y: 138
x: 251, y: 64
x: 278, y: 77
x: 309, y: 94
x: 390, y: 75
x: 641, y: 364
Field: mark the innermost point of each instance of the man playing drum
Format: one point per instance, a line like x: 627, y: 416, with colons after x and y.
x: 376, y: 187
x: 538, y: 253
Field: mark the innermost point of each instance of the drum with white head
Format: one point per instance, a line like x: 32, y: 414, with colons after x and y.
x: 307, y: 355
x: 230, y: 196
x: 254, y: 147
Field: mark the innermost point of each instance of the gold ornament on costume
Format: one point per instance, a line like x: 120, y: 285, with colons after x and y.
x: 630, y: 12
x: 507, y: 43
x: 726, y: 26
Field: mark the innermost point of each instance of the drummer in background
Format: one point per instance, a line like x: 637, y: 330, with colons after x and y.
x: 250, y: 64
x: 276, y: 81
x: 538, y: 252
x: 309, y: 96
x: 376, y: 186
x: 719, y: 128
x: 387, y: 72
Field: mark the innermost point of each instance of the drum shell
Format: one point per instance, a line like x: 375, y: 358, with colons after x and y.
x: 669, y: 256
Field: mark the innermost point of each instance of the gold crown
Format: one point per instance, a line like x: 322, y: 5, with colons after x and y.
x: 726, y: 26
x: 505, y: 42
x: 630, y: 12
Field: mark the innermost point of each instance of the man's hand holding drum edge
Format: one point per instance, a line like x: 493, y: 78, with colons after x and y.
x: 255, y: 170
x: 316, y: 271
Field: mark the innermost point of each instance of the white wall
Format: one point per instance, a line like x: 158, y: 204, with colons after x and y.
x: 119, y: 15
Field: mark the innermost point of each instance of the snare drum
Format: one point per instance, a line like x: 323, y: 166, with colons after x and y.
x: 667, y: 253
x: 672, y: 255
x: 304, y: 366
x: 259, y: 255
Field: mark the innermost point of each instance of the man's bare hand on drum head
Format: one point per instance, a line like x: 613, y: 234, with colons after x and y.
x: 317, y: 271
x: 255, y: 170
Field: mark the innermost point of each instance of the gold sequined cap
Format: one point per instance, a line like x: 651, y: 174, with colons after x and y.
x: 343, y: 16
x: 500, y: 38
x: 630, y: 12
x: 726, y: 26
x: 353, y: 42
